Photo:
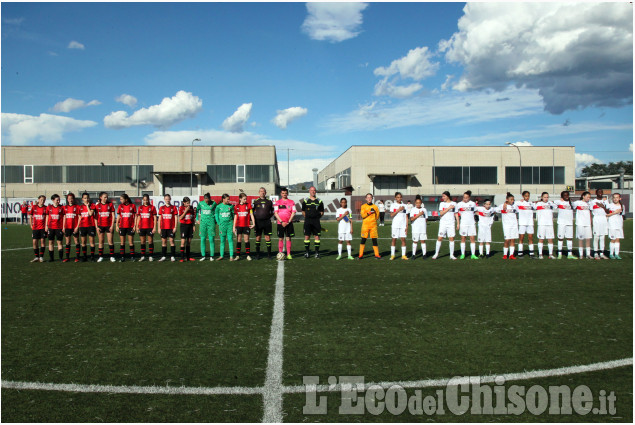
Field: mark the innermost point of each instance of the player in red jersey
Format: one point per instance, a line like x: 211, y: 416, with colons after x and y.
x: 71, y: 220
x: 126, y: 213
x: 37, y: 221
x: 244, y: 221
x: 55, y: 226
x: 24, y: 211
x: 167, y: 218
x: 86, y: 226
x: 186, y: 218
x: 146, y: 226
x: 105, y: 212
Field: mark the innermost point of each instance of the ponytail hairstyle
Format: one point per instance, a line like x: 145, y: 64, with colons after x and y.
x: 418, y: 197
x: 126, y: 198
x: 543, y: 194
x: 225, y: 196
x: 207, y: 196
x: 468, y: 193
x: 508, y: 196
x: 242, y: 195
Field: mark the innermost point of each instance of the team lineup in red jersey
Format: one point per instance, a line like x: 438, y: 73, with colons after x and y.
x: 92, y: 225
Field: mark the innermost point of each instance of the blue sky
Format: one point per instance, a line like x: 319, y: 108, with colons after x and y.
x: 319, y: 77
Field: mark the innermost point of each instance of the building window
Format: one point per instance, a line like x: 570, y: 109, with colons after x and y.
x: 12, y: 173
x: 240, y: 174
x: 535, y: 175
x: 28, y: 174
x: 258, y: 173
x: 222, y: 173
x: 465, y: 175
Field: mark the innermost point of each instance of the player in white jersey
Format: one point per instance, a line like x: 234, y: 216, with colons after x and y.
x: 565, y: 224
x: 485, y: 221
x: 525, y: 224
x: 510, y: 225
x: 544, y: 217
x: 616, y: 226
x: 583, y: 224
x: 409, y: 207
x: 465, y: 224
x: 446, y: 224
x: 399, y: 225
x: 344, y: 218
x: 418, y: 216
x: 599, y: 208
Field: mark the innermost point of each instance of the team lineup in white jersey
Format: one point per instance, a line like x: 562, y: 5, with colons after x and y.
x: 595, y: 219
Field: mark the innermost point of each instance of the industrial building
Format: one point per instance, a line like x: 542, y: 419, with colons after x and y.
x: 29, y: 171
x: 430, y: 170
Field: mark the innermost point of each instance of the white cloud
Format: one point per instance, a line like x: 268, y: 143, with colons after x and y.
x: 630, y: 147
x: 416, y: 65
x: 52, y: 53
x: 575, y: 54
x: 584, y: 159
x: 21, y: 129
x: 388, y: 88
x: 71, y: 104
x: 171, y: 110
x: 437, y: 108
x: 300, y: 170
x: 286, y: 116
x: 238, y: 119
x: 127, y: 100
x: 333, y: 22
x: 521, y: 144
x: 76, y: 45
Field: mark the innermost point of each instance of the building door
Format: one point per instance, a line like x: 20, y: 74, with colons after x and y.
x: 179, y: 184
x: 388, y: 185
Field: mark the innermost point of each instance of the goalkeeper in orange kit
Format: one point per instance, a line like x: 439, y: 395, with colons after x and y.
x: 370, y: 214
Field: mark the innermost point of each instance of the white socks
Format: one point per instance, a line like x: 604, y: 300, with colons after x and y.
x: 487, y: 249
x: 596, y: 239
x: 438, y: 248
x: 602, y: 244
x: 451, y: 248
x: 539, y: 248
x: 581, y: 249
x: 423, y: 249
x: 570, y: 246
x: 531, y: 249
x: 559, y: 246
x: 511, y: 250
x: 348, y: 249
x: 392, y: 251
x: 339, y: 249
x: 414, y: 249
x: 462, y: 248
x: 550, y: 246
x: 588, y: 251
x: 480, y: 249
x: 473, y: 248
x: 403, y: 251
x: 505, y: 250
x: 614, y: 248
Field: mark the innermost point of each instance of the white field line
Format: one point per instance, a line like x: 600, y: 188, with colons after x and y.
x: 273, y: 389
x: 427, y: 383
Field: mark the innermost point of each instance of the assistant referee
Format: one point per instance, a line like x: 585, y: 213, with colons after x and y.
x: 312, y: 210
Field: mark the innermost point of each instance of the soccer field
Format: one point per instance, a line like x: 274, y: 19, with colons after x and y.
x: 223, y: 341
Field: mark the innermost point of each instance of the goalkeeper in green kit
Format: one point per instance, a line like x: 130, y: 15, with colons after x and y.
x: 225, y: 220
x: 206, y: 219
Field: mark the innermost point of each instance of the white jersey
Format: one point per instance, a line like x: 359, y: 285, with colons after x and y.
x: 400, y: 220
x: 419, y: 225
x: 409, y: 208
x: 582, y: 213
x: 466, y: 212
x: 596, y: 207
x: 508, y: 217
x: 525, y: 213
x: 616, y: 221
x: 381, y: 207
x: 565, y: 212
x: 448, y: 218
x: 485, y: 216
x: 344, y: 226
x: 544, y: 213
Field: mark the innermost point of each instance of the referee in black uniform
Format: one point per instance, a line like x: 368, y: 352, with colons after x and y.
x: 312, y: 210
x: 263, y: 211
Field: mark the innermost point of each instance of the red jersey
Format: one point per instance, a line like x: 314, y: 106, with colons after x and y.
x: 189, y: 216
x: 38, y: 217
x: 168, y: 215
x: 127, y: 214
x: 86, y: 220
x: 147, y: 214
x: 56, y: 217
x: 242, y: 214
x: 71, y: 215
x: 24, y: 208
x: 104, y: 214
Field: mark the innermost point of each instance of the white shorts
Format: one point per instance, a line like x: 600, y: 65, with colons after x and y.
x: 600, y: 226
x: 510, y: 232
x: 545, y: 232
x: 583, y: 232
x: 416, y: 237
x: 529, y: 229
x: 447, y: 231
x: 398, y: 232
x: 565, y: 231
x: 616, y: 233
x: 345, y: 236
x: 484, y: 234
x: 468, y: 230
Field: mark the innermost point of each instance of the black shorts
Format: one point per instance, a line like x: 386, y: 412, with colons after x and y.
x: 167, y: 233
x: 70, y: 232
x: 146, y: 232
x: 243, y: 230
x: 104, y: 229
x: 262, y: 226
x: 123, y: 231
x: 286, y: 231
x: 187, y: 231
x: 312, y: 227
x: 87, y: 231
x: 56, y: 234
x: 39, y: 234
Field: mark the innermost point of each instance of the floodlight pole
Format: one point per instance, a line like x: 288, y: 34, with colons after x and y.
x: 520, y: 160
x: 192, y: 166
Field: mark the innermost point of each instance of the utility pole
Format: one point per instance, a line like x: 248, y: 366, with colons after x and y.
x: 288, y: 168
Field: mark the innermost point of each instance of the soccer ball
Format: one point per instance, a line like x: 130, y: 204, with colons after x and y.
x: 280, y: 256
